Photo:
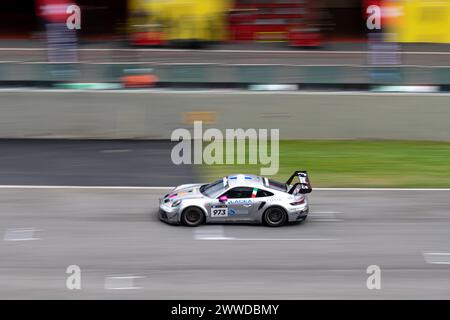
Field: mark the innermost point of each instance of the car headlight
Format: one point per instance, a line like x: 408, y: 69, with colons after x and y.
x: 175, y: 203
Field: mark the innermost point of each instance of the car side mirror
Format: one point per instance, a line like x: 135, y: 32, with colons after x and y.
x: 223, y: 198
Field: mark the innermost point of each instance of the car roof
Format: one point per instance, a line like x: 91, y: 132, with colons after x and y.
x: 245, y: 180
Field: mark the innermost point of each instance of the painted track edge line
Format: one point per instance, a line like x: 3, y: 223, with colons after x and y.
x: 169, y: 188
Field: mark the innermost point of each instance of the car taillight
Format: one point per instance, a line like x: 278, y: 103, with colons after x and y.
x: 299, y: 202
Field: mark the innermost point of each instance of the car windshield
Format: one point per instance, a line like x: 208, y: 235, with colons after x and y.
x: 212, y: 189
x: 280, y: 186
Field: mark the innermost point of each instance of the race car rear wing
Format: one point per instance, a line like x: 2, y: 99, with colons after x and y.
x: 304, y: 186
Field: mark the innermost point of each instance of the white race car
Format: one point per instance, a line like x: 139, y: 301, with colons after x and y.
x: 239, y: 198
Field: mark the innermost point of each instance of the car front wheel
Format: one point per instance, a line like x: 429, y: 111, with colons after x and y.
x: 192, y: 217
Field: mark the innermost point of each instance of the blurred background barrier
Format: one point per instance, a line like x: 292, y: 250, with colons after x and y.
x: 226, y: 74
x: 154, y: 114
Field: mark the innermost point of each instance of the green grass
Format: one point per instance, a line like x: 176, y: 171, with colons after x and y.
x: 357, y: 163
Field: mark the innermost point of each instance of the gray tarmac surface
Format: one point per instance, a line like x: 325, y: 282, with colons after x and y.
x: 125, y: 252
x: 90, y: 162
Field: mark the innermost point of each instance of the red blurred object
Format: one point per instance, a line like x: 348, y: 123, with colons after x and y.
x: 148, y: 38
x: 276, y: 21
x: 53, y: 11
x: 263, y: 21
x: 139, y: 81
x: 305, y: 38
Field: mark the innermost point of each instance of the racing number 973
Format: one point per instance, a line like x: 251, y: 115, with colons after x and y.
x: 219, y: 212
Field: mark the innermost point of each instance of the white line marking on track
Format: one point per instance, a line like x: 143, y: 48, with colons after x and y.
x: 200, y: 237
x: 229, y: 51
x: 324, y: 216
x: 233, y: 92
x: 20, y: 234
x: 84, y: 187
x: 170, y: 188
x: 115, y: 151
x: 382, y: 189
x: 122, y: 282
x: 325, y: 212
x: 436, y: 257
x: 272, y: 239
x: 221, y: 64
x: 438, y: 253
x: 217, y: 233
x: 210, y: 233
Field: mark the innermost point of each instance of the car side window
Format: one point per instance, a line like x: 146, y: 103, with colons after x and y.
x: 239, y: 192
x: 263, y: 193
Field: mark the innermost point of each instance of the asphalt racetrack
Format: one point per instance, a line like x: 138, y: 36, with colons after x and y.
x: 113, y: 234
x: 91, y: 163
x: 125, y: 252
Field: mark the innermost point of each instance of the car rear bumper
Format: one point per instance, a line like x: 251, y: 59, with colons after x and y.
x: 298, y: 215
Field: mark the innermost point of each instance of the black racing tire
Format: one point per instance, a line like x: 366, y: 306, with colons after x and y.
x: 275, y: 217
x: 192, y: 217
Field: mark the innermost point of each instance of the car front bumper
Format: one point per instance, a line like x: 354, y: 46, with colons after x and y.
x: 169, y: 214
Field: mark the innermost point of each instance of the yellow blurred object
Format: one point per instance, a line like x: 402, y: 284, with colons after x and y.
x: 191, y: 20
x: 417, y: 20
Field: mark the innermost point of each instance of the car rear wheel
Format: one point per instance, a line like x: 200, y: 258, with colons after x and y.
x: 275, y: 217
x: 192, y: 217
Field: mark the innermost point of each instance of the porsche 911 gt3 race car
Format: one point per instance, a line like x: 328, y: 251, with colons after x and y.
x: 238, y: 198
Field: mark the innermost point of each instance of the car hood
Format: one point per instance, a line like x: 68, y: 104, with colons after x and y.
x: 185, y: 191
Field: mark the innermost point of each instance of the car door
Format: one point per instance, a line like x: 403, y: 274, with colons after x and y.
x: 241, y: 204
x: 217, y: 210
